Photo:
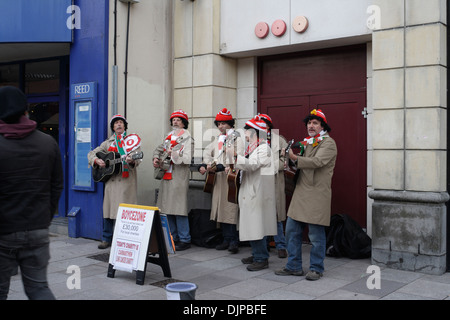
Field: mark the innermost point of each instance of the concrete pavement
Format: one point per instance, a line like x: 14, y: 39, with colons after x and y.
x: 220, y: 275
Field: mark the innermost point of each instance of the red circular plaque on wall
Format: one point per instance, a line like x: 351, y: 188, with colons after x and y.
x: 278, y: 28
x: 262, y: 30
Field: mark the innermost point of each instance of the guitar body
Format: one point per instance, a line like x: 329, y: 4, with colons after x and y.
x: 103, y: 174
x: 113, y: 162
x: 234, y: 183
x: 290, y: 173
x: 164, y: 160
x: 164, y: 166
x: 209, y: 182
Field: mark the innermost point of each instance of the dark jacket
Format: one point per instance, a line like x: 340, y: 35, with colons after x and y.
x: 31, y: 181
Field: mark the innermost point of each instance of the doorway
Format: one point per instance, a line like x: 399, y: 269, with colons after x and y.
x: 45, y: 82
x: 334, y: 80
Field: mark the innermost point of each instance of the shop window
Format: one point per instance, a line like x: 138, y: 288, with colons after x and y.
x: 46, y: 114
x: 10, y: 75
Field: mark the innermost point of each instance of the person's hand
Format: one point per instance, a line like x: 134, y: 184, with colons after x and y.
x: 202, y: 170
x: 100, y: 162
x: 292, y: 156
x: 129, y: 160
x: 156, y: 162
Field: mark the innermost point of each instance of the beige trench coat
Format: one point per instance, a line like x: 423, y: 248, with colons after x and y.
x: 173, y: 194
x: 277, y: 143
x: 117, y: 189
x: 257, y: 217
x: 311, y: 201
x: 222, y: 210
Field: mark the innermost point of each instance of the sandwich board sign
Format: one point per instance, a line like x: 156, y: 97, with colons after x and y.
x: 137, y: 234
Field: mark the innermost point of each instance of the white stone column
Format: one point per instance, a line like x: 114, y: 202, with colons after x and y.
x: 410, y: 136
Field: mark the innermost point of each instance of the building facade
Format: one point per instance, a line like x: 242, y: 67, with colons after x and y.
x: 378, y: 69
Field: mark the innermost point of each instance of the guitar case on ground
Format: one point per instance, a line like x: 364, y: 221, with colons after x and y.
x: 204, y: 232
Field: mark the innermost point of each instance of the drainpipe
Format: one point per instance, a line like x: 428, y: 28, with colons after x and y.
x: 128, y: 2
x: 114, y: 68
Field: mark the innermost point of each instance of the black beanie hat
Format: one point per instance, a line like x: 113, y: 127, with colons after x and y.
x: 13, y: 102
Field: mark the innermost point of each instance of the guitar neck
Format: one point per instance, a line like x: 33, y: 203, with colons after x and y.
x: 118, y: 160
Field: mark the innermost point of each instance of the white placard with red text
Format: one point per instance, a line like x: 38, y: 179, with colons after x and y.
x: 131, y: 237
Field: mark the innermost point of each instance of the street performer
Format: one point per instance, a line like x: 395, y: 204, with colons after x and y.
x: 214, y: 157
x: 121, y: 187
x: 311, y: 202
x: 257, y: 209
x: 173, y: 191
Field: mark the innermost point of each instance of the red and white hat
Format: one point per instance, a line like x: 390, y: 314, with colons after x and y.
x: 265, y: 116
x: 224, y: 115
x: 115, y: 118
x: 179, y: 114
x: 257, y: 123
x: 319, y: 113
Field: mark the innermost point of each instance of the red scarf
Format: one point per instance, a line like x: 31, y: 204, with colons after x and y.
x: 123, y: 145
x: 312, y: 140
x: 252, y: 146
x: 171, y: 141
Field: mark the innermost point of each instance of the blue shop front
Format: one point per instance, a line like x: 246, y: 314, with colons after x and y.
x: 56, y: 51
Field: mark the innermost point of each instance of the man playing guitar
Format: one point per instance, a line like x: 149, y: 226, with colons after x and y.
x: 173, y: 191
x: 121, y: 187
x: 222, y: 211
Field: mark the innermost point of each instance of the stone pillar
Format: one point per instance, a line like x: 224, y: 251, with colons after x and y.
x: 204, y: 81
x: 410, y: 136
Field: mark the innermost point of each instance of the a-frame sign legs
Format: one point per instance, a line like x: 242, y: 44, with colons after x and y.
x: 157, y: 245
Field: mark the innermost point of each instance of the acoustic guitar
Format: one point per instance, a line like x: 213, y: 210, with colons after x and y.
x: 210, y: 179
x: 233, y: 177
x: 113, y: 162
x: 234, y: 183
x: 211, y: 174
x: 290, y: 172
x: 165, y: 161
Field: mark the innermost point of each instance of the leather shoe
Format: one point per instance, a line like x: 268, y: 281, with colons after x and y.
x: 222, y: 246
x: 234, y: 248
x: 104, y: 245
x: 248, y: 260
x: 182, y: 246
x: 282, y: 253
x: 258, y: 265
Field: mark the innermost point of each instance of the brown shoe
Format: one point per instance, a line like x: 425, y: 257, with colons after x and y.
x: 282, y: 253
x: 248, y: 260
x: 313, y: 275
x: 287, y: 272
x: 258, y: 265
x: 104, y: 245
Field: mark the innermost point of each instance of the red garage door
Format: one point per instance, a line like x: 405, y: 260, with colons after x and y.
x: 334, y: 80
